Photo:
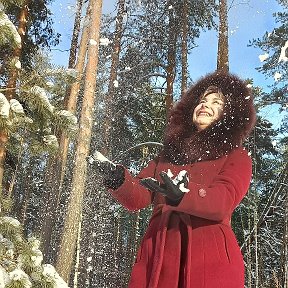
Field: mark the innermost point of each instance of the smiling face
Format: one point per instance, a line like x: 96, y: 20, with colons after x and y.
x: 208, y: 110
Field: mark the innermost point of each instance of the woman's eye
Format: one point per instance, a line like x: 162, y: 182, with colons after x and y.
x: 218, y: 102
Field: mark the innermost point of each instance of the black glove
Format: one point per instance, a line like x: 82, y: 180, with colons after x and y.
x: 113, y: 174
x: 171, y: 190
x: 153, y: 185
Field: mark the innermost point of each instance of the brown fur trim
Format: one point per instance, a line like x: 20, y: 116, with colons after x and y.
x: 184, y: 144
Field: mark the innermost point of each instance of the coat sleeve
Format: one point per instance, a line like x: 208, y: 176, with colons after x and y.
x: 131, y: 194
x: 217, y: 200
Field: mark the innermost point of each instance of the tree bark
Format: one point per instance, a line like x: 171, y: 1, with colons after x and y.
x: 11, y: 86
x: 71, y: 102
x: 26, y: 190
x: 74, y: 44
x: 22, y: 27
x: 113, y: 77
x: 3, y: 141
x: 285, y: 239
x: 223, y: 46
x: 56, y: 167
x: 71, y: 224
x: 133, y: 238
x: 184, y: 49
x: 171, y: 58
x: 75, y: 36
x: 49, y: 208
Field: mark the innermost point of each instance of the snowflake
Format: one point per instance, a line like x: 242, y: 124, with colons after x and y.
x: 283, y: 53
x: 263, y: 57
x: 18, y: 64
x: 277, y: 76
x: 92, y: 42
x: 104, y: 41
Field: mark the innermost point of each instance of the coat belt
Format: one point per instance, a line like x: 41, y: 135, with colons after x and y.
x: 160, y: 246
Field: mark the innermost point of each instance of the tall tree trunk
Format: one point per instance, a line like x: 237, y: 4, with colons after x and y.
x: 171, y: 58
x: 11, y: 86
x: 56, y: 167
x: 113, y: 77
x: 133, y: 238
x: 70, y: 103
x: 74, y: 44
x: 118, y: 245
x: 285, y: 239
x: 223, y: 52
x: 3, y: 141
x: 71, y: 224
x: 256, y: 249
x: 22, y: 27
x: 184, y: 50
x: 26, y: 190
x: 105, y: 277
x: 75, y: 35
x: 49, y: 208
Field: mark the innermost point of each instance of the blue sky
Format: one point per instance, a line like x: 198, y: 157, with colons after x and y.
x: 248, y: 19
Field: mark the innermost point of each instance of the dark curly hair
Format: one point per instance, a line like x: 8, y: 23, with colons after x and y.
x: 184, y: 144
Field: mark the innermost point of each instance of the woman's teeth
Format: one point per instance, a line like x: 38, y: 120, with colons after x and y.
x: 204, y: 114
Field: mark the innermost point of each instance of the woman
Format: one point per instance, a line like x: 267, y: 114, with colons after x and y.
x: 197, y: 181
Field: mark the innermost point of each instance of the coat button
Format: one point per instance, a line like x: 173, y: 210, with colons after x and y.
x: 202, y: 192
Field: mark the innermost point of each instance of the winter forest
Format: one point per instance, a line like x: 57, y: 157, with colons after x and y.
x: 59, y: 226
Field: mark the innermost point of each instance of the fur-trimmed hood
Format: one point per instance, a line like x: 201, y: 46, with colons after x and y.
x: 184, y: 144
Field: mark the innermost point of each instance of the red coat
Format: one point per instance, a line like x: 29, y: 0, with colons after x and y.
x: 191, y: 245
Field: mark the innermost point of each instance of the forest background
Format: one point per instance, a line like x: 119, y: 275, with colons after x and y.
x: 118, y: 80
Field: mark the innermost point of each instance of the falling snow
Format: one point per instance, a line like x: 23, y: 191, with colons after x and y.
x: 277, y: 76
x: 92, y: 42
x: 263, y: 57
x: 100, y: 214
x: 284, y: 52
x: 104, y: 41
x: 17, y: 64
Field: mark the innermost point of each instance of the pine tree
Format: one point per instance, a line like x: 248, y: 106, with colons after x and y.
x: 29, y: 121
x: 223, y: 47
x: 29, y: 112
x: 21, y: 259
x: 275, y: 46
x: 74, y: 210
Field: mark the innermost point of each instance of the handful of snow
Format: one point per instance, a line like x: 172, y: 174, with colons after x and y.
x: 99, y: 157
x: 181, y: 180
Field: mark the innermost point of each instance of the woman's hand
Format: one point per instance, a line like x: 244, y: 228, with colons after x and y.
x: 113, y: 174
x: 172, y: 189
